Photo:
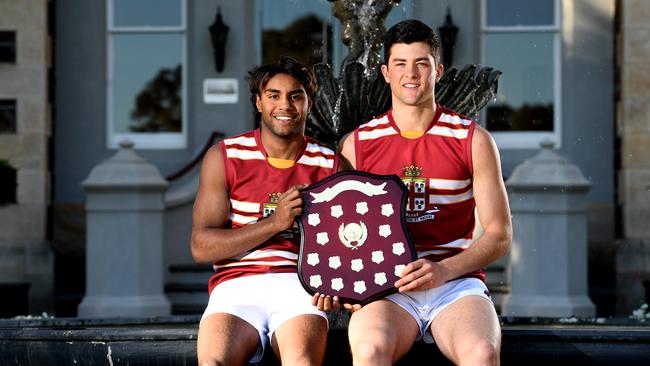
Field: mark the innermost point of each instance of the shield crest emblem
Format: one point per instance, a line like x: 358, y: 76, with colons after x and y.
x: 354, y: 241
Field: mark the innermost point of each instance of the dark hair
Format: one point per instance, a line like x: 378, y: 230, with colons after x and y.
x: 410, y: 31
x: 260, y: 76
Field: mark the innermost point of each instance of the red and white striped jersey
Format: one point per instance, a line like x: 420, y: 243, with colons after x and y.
x: 254, y: 186
x: 436, y: 167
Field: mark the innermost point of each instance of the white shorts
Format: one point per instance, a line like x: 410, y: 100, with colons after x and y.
x: 264, y: 301
x: 425, y: 305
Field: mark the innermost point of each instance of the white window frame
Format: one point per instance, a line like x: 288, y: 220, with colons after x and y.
x: 146, y: 140
x: 528, y: 140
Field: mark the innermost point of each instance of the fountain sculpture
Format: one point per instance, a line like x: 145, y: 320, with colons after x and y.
x: 360, y: 92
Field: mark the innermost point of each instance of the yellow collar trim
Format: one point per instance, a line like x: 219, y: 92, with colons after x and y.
x: 280, y: 163
x: 412, y: 134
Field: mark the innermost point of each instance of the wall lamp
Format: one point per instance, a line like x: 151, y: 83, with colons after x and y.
x: 218, y: 35
x: 448, y: 32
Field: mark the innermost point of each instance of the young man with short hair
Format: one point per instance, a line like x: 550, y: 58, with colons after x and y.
x: 450, y: 166
x: 243, y: 223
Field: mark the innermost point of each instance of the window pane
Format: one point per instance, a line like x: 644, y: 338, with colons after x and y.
x: 518, y: 12
x: 309, y: 31
x: 7, y: 116
x: 302, y: 29
x: 147, y: 84
x: 525, y: 100
x: 147, y: 13
x: 8, y: 46
x: 7, y: 183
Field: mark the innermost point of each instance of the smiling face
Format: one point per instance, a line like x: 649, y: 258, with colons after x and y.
x: 284, y: 106
x: 412, y: 73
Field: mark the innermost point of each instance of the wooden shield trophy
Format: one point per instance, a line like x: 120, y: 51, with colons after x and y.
x: 354, y: 242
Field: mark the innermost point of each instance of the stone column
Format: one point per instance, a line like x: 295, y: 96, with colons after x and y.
x: 549, y: 255
x: 26, y: 255
x: 633, y: 130
x: 124, y: 214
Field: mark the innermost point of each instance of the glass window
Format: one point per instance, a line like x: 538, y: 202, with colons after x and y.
x: 525, y: 97
x: 146, y: 90
x: 146, y: 67
x: 147, y: 13
x: 520, y: 13
x: 8, y: 46
x: 7, y: 183
x: 7, y: 116
x: 302, y: 29
x: 308, y: 30
x: 522, y: 40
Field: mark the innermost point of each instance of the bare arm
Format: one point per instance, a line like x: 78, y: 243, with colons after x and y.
x: 494, y: 214
x: 211, y: 239
x: 346, y: 150
x: 344, y: 164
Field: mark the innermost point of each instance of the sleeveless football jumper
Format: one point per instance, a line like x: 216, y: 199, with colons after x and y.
x: 254, y: 186
x: 436, y: 167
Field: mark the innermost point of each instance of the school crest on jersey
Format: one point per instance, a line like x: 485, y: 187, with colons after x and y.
x: 268, y: 208
x: 354, y: 242
x: 416, y: 184
x: 417, y: 187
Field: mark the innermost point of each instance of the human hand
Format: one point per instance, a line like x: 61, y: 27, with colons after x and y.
x: 328, y: 303
x: 325, y: 302
x: 289, y: 206
x: 352, y: 307
x: 422, y: 274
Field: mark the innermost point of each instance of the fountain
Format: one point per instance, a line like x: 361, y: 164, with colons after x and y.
x: 360, y: 92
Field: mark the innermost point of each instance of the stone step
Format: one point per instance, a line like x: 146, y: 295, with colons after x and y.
x: 188, y: 309
x: 191, y: 273
x: 172, y: 341
x: 496, y: 276
x: 188, y: 289
x: 496, y: 279
x: 187, y: 294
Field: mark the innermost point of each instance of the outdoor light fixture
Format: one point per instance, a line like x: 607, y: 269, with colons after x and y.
x: 448, y: 32
x: 218, y: 35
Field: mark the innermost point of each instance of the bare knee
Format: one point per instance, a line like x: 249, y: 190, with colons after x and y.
x: 210, y: 362
x: 301, y: 341
x: 482, y: 353
x: 219, y: 360
x: 370, y: 353
x: 303, y: 357
x: 304, y: 360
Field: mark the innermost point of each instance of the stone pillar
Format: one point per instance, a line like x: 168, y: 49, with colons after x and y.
x: 124, y: 216
x: 26, y: 255
x: 549, y: 255
x: 633, y: 130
